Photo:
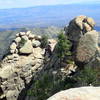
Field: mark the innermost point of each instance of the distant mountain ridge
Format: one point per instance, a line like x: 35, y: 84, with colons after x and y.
x: 44, y: 16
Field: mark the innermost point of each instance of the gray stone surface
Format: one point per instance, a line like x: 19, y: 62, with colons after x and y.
x: 82, y: 93
x: 36, y: 43
x: 78, y: 27
x: 87, y: 47
x: 27, y: 48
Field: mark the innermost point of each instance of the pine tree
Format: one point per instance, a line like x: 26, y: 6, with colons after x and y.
x: 63, y: 46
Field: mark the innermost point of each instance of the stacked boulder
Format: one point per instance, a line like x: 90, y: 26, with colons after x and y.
x: 24, y: 42
x: 78, y: 27
x: 84, y: 38
x: 21, y: 65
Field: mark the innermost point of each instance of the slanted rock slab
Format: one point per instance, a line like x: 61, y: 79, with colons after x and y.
x: 83, y: 93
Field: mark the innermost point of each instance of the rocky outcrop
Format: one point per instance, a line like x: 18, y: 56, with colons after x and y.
x: 84, y: 38
x: 22, y: 65
x: 23, y: 43
x: 26, y: 62
x: 78, y: 27
x: 18, y: 69
x: 85, y: 52
x: 17, y: 73
x: 83, y: 93
x: 52, y: 43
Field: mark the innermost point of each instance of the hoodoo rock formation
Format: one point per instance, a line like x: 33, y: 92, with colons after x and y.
x: 84, y: 38
x: 78, y: 27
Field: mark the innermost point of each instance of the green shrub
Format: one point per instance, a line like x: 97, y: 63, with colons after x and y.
x: 44, y: 41
x: 88, y: 76
x: 63, y: 47
x: 50, y: 84
x: 69, y: 61
x: 46, y: 87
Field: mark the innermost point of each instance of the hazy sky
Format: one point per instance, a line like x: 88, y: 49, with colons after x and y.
x: 28, y: 3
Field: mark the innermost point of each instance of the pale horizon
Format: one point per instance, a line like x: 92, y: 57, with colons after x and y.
x: 32, y: 3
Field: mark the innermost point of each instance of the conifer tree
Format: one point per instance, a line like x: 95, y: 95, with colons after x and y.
x: 63, y: 46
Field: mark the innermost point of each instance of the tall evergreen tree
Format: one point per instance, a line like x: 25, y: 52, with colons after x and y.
x: 63, y: 46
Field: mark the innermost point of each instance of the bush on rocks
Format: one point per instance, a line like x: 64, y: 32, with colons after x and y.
x: 50, y: 84
x: 63, y: 47
x: 46, y: 87
x: 44, y: 41
x: 88, y: 76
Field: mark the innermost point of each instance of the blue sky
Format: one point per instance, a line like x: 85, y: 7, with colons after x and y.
x: 29, y: 3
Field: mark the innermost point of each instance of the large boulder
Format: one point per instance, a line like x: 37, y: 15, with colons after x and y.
x: 87, y: 47
x: 90, y: 21
x: 36, y: 43
x: 13, y: 46
x: 31, y: 36
x: 17, y: 40
x: 78, y: 27
x: 27, y: 48
x: 83, y: 38
x: 82, y: 93
x: 28, y: 33
x: 22, y: 33
x: 25, y: 37
x: 38, y: 52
